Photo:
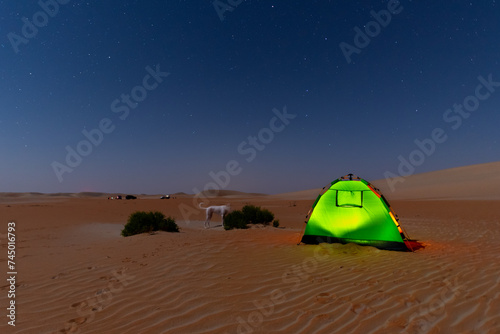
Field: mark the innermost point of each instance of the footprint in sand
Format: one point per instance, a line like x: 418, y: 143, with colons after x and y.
x: 102, y: 291
x: 361, y: 309
x: 409, y: 300
x: 326, y: 298
x: 82, y: 304
x: 318, y: 279
x: 78, y: 321
x: 58, y: 275
x: 397, y: 323
x: 368, y: 283
x: 72, y: 325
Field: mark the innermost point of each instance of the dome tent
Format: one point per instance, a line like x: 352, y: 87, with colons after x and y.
x: 353, y: 210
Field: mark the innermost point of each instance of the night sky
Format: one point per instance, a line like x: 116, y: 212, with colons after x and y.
x: 265, y: 96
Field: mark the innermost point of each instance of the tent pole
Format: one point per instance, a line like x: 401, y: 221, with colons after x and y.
x: 409, y: 246
x: 408, y: 238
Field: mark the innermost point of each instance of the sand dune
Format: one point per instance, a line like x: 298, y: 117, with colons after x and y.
x: 470, y: 182
x: 477, y: 182
x: 76, y: 274
x: 226, y: 193
x: 300, y: 195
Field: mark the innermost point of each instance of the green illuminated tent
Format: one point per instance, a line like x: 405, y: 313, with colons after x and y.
x: 353, y: 210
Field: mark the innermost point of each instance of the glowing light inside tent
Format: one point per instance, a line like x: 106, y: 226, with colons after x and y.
x: 352, y: 211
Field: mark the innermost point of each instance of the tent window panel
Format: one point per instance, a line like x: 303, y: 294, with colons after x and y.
x: 349, y: 199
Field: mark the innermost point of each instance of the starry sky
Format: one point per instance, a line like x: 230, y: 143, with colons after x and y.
x: 257, y: 96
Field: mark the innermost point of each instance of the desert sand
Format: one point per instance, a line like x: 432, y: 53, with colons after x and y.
x: 76, y: 274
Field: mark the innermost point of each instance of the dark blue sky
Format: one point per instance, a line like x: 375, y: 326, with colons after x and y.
x: 76, y: 67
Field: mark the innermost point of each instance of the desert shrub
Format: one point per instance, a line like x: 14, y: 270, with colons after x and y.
x: 265, y: 217
x: 168, y: 224
x: 250, y: 214
x: 235, y: 219
x: 276, y: 223
x: 142, y: 222
x: 255, y: 215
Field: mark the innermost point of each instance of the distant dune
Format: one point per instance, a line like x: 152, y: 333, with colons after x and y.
x: 92, y: 194
x: 299, y: 195
x: 474, y: 182
x: 477, y: 182
x: 227, y: 193
x: 180, y: 194
x: 60, y: 194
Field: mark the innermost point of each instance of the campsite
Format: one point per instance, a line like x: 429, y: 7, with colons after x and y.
x: 250, y: 167
x: 352, y: 210
x: 79, y: 274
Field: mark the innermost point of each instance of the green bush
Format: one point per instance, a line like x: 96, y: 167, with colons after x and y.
x: 168, y: 224
x: 235, y: 219
x: 142, y: 222
x: 255, y: 215
x: 276, y: 223
x: 265, y: 217
x: 250, y: 214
